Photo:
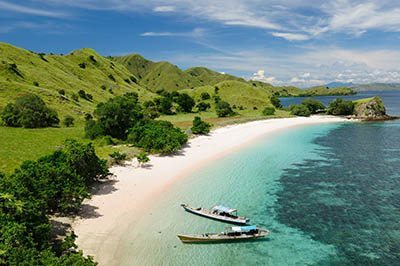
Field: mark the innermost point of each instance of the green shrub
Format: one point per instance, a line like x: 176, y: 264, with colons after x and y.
x: 61, y: 92
x: 150, y: 110
x: 35, y: 83
x: 200, y: 127
x: 202, y: 106
x: 223, y: 109
x: 112, y: 77
x: 157, y: 136
x: 299, y: 110
x: 341, y: 107
x: 268, y: 111
x: 115, y: 117
x: 275, y: 101
x: 118, y: 157
x: 84, y: 95
x: 142, y: 158
x: 29, y: 111
x: 68, y: 121
x: 54, y: 184
x: 185, y: 102
x: 93, y: 130
x: 313, y: 105
x: 164, y: 105
x: 205, y: 96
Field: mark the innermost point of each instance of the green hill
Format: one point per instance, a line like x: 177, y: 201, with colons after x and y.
x: 156, y: 76
x: 209, y: 77
x: 58, y: 78
x: 237, y: 93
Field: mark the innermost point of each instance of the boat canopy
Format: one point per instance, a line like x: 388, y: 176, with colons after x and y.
x: 244, y: 228
x: 220, y: 208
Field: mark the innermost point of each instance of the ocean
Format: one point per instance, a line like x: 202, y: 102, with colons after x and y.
x: 329, y: 194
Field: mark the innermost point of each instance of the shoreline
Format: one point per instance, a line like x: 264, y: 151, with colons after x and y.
x: 118, y: 203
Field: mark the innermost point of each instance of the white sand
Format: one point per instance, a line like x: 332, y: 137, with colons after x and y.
x: 110, y: 213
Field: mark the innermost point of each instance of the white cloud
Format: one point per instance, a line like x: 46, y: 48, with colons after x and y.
x: 260, y: 76
x: 164, y: 9
x: 285, y: 17
x: 291, y: 36
x: 196, y: 33
x: 29, y: 10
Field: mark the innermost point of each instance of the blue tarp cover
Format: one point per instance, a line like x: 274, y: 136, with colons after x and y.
x: 244, y: 228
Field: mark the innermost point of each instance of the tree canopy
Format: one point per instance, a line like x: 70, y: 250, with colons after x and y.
x: 56, y: 183
x: 223, y: 109
x: 29, y: 111
x: 200, y: 126
x: 313, y: 105
x: 115, y: 117
x: 299, y: 110
x: 341, y: 107
x: 157, y: 136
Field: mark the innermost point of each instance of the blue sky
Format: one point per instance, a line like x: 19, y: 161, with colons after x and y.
x: 303, y: 43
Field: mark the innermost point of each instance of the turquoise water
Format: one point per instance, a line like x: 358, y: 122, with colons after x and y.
x: 330, y: 195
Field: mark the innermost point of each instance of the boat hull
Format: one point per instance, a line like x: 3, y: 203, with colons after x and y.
x: 239, y: 221
x: 218, y: 238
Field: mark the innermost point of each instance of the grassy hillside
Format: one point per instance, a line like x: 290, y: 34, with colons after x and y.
x: 23, y: 71
x: 238, y: 94
x: 321, y: 90
x: 209, y: 77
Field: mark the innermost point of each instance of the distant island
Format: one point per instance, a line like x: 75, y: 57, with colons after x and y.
x: 365, y: 87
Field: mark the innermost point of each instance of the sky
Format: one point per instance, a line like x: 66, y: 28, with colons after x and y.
x: 283, y: 42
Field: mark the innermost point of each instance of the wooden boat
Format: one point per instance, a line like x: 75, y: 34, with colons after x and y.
x: 236, y: 233
x: 220, y: 213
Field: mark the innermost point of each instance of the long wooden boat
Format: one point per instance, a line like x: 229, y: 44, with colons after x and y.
x: 219, y: 213
x: 236, y: 233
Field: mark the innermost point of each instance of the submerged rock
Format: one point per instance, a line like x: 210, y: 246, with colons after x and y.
x: 371, y: 109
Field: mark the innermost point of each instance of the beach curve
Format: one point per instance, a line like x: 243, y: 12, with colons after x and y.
x: 117, y: 205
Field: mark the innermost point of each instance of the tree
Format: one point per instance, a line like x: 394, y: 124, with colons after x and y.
x: 142, y: 158
x: 200, y: 127
x: 29, y: 111
x: 202, y: 106
x: 157, y: 136
x: 313, y: 105
x: 68, y: 121
x: 268, y: 111
x: 341, y: 107
x: 150, y: 110
x: 205, y: 96
x: 299, y: 110
x: 223, y: 109
x: 275, y: 101
x: 185, y: 102
x: 56, y: 183
x: 116, y: 116
x: 164, y: 105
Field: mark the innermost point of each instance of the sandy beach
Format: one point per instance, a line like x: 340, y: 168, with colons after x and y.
x: 118, y: 203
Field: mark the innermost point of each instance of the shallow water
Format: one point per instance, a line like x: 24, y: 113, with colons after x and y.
x: 328, y: 193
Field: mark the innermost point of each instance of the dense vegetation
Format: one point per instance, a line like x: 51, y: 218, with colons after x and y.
x: 115, y: 117
x: 313, y: 105
x: 54, y: 184
x: 299, y: 110
x: 157, y: 136
x: 340, y: 107
x: 268, y: 111
x: 200, y: 126
x: 29, y: 111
